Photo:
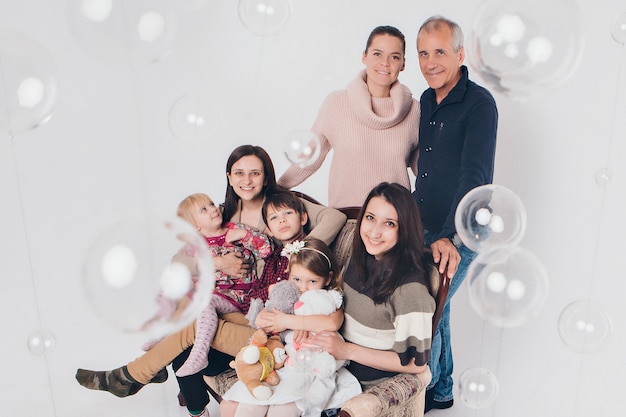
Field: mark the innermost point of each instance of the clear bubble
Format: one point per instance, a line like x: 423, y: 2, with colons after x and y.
x: 115, y: 31
x: 194, y: 119
x: 304, y: 356
x: 302, y: 147
x: 526, y: 48
x: 265, y: 17
x: 507, y: 285
x: 96, y: 10
x: 604, y: 176
x: 41, y: 343
x: 618, y: 29
x: 489, y: 216
x: 28, y: 83
x: 151, y: 26
x: 142, y: 259
x: 478, y: 387
x: 584, y: 326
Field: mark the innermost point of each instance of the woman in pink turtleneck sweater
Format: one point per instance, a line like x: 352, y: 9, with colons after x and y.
x: 371, y: 126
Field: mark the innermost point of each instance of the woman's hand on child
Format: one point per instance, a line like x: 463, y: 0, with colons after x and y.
x: 233, y: 263
x: 330, y: 342
x: 299, y: 336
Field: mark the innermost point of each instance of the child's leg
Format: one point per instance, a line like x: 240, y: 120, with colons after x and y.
x: 167, y: 308
x: 284, y: 410
x: 228, y: 408
x: 206, y: 326
x: 203, y: 413
x: 246, y: 410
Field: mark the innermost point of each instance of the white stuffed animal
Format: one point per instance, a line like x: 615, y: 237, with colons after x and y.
x: 308, y: 358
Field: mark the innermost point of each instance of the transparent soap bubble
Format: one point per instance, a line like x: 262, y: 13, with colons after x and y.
x: 507, y: 285
x: 584, y: 326
x: 194, y: 119
x: 489, y: 216
x: 604, y: 176
x: 478, y: 387
x: 117, y: 31
x: 618, y: 29
x: 302, y: 148
x: 41, y: 343
x: 28, y: 83
x: 264, y: 17
x: 526, y: 48
x: 143, y: 259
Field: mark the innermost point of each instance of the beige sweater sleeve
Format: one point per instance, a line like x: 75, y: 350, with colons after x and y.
x: 325, y: 222
x: 295, y: 175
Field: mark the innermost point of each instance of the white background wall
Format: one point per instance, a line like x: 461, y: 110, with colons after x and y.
x: 108, y: 151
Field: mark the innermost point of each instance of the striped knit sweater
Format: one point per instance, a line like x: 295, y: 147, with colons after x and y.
x: 403, y: 324
x: 372, y: 141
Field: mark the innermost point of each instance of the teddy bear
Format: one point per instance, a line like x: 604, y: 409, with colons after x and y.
x: 282, y: 297
x: 257, y: 362
x: 310, y: 358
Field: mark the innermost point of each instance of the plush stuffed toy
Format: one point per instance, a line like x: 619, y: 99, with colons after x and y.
x: 308, y: 358
x: 310, y: 377
x: 256, y: 364
x: 282, y: 297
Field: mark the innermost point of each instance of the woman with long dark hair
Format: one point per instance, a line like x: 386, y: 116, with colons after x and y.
x: 387, y: 303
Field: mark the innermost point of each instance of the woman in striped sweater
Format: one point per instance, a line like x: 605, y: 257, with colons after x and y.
x: 387, y: 305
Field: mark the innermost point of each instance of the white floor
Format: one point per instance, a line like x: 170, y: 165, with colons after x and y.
x: 537, y: 375
x: 109, y: 151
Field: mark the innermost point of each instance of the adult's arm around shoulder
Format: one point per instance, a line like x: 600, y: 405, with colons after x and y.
x: 325, y: 222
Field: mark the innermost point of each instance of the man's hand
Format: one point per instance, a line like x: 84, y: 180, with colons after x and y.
x: 446, y: 255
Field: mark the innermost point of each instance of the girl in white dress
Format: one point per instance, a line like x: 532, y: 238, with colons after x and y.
x: 312, y: 266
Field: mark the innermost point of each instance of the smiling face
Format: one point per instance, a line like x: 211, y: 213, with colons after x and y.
x: 439, y: 62
x: 285, y: 223
x: 384, y: 59
x: 207, y: 218
x: 247, y: 178
x: 379, y: 227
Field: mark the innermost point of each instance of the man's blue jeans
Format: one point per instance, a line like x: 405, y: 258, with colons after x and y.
x: 440, y: 363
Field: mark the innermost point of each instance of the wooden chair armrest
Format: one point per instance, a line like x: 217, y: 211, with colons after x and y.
x: 219, y: 384
x: 350, y: 212
x: 440, y: 298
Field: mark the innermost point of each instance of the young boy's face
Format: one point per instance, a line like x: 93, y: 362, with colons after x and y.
x: 285, y: 223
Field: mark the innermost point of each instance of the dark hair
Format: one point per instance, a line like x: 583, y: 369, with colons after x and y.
x: 231, y: 199
x: 317, y: 257
x: 406, y: 257
x: 386, y: 30
x: 282, y: 199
